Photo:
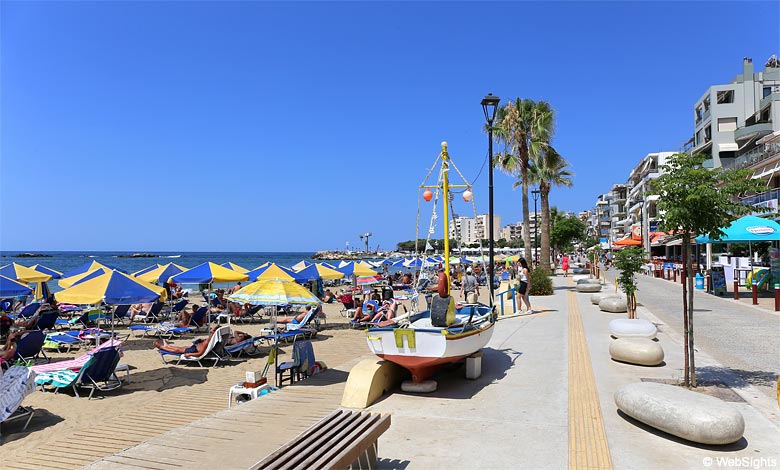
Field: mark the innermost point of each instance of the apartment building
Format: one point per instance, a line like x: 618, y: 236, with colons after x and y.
x: 473, y: 229
x: 641, y: 206
x: 727, y: 118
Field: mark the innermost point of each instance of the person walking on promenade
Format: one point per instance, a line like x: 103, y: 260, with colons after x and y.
x: 565, y: 264
x: 524, y: 289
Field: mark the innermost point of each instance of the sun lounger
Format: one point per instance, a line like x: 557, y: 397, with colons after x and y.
x: 27, y: 311
x: 16, y: 383
x: 249, y: 347
x: 61, y: 342
x: 121, y: 313
x: 75, y: 364
x: 162, y: 330
x: 98, y: 374
x: 152, y: 315
x: 46, y: 320
x: 85, y: 320
x: 29, y: 346
x: 214, y: 350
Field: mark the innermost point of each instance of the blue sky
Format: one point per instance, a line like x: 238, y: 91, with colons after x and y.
x: 268, y: 126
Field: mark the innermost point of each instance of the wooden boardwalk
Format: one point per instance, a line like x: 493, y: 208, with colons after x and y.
x: 588, y: 447
x: 241, y: 436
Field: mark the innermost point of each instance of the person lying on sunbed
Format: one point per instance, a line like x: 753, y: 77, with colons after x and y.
x: 386, y: 312
x: 364, y: 313
x: 238, y: 337
x: 297, y: 318
x: 197, y: 349
x: 8, y: 350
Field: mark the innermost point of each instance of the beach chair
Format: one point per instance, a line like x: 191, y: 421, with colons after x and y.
x: 249, y: 347
x: 46, y: 320
x: 214, y: 351
x: 98, y: 374
x: 347, y: 305
x: 177, y: 308
x: 153, y: 315
x: 87, y: 319
x: 15, y: 384
x: 27, y: 311
x: 121, y: 314
x: 61, y: 342
x: 302, y: 360
x: 75, y: 364
x: 29, y: 347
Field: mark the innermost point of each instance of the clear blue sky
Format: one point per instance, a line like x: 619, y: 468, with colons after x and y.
x: 184, y: 126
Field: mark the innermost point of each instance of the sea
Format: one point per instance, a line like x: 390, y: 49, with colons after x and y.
x: 64, y: 261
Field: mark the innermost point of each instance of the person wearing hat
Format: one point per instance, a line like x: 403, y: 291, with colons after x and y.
x: 470, y: 288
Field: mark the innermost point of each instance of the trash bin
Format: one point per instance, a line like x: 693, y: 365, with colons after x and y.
x: 699, y: 281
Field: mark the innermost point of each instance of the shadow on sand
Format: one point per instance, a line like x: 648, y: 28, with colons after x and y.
x: 734, y: 447
x: 41, y: 420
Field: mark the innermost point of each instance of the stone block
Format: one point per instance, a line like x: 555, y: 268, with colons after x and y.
x: 599, y: 296
x: 614, y: 304
x: 588, y: 287
x: 689, y: 415
x: 632, y: 328
x: 641, y: 351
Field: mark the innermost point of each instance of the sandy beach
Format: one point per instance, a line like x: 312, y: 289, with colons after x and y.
x: 158, y: 398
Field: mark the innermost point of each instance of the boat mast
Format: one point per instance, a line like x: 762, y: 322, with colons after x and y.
x: 446, y: 189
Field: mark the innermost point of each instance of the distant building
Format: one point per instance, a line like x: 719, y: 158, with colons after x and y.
x: 469, y: 230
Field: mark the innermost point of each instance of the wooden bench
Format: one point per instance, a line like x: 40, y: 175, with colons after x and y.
x: 343, y: 439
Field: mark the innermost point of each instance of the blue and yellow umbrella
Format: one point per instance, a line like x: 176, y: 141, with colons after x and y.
x: 208, y: 273
x: 274, y: 292
x: 11, y: 288
x: 47, y: 270
x: 23, y: 273
x: 111, y: 287
x: 162, y: 273
x: 318, y: 271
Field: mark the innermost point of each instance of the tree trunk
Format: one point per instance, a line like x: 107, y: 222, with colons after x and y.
x: 686, y: 368
x: 544, y: 260
x: 526, y: 222
x: 689, y: 282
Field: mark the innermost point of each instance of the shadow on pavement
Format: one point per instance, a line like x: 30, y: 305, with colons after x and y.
x: 452, y: 382
x: 392, y: 464
x: 736, y: 378
x: 734, y: 447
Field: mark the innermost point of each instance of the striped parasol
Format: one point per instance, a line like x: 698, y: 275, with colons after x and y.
x: 367, y: 280
x: 274, y: 292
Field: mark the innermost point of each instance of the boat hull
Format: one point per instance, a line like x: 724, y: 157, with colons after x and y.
x: 423, y: 351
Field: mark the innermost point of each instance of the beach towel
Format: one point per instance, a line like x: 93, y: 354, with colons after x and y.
x: 16, y: 383
x: 74, y: 364
x: 59, y: 378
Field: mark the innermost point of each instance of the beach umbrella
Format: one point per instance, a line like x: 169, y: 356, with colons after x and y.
x: 162, y: 273
x: 42, y: 291
x: 301, y: 265
x: 85, y: 268
x: 746, y: 229
x: 318, y: 271
x: 274, y: 271
x: 12, y: 288
x: 399, y: 262
x: 66, y: 282
x: 235, y: 267
x: 367, y: 280
x: 387, y: 262
x: 343, y: 263
x: 23, y: 273
x: 329, y: 265
x: 412, y: 263
x: 512, y: 258
x: 274, y: 292
x: 208, y: 273
x: 356, y: 269
x: 47, y: 270
x: 627, y: 241
x: 146, y: 269
x: 111, y: 287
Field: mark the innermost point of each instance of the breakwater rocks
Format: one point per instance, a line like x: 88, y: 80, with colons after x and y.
x: 339, y: 255
x: 31, y: 255
x: 138, y: 255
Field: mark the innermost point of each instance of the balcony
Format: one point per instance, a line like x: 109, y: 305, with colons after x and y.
x: 747, y: 132
x: 762, y: 198
x: 756, y: 155
x: 774, y: 96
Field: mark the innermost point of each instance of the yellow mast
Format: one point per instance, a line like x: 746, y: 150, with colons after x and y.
x: 446, y: 189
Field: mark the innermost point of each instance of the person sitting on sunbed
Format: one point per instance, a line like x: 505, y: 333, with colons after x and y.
x: 139, y: 309
x: 328, y: 297
x: 185, y: 317
x: 197, y: 349
x: 8, y: 350
x: 364, y: 313
x: 386, y: 312
x: 297, y: 318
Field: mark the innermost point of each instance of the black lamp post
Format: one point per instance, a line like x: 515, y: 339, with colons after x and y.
x: 535, y: 193
x: 489, y: 106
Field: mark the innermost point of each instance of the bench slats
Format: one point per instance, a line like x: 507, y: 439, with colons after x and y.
x: 336, y: 441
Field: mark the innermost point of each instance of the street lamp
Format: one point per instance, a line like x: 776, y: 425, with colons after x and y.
x: 489, y: 106
x: 535, y: 193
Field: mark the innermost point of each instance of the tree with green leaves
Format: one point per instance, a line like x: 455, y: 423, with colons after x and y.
x: 567, y: 230
x: 549, y: 170
x: 524, y: 127
x: 694, y: 200
x: 630, y: 261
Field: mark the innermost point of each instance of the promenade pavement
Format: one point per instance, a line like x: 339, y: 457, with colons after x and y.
x: 544, y: 401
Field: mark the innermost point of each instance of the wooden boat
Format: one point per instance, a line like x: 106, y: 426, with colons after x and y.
x: 444, y: 333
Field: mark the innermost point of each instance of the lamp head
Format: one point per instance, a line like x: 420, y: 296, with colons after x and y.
x: 489, y: 106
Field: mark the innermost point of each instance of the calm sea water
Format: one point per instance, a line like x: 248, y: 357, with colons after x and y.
x: 64, y: 261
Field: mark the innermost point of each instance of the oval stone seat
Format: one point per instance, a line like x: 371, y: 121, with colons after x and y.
x: 580, y: 277
x: 588, y: 287
x: 641, y: 351
x: 680, y: 412
x: 614, y: 304
x: 599, y: 296
x: 632, y: 328
x: 580, y: 271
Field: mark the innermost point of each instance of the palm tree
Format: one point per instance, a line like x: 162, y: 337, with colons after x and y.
x: 548, y: 170
x: 523, y: 127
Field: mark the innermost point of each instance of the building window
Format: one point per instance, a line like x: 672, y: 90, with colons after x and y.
x: 767, y: 91
x: 707, y: 104
x: 707, y: 133
x: 726, y: 96
x: 698, y: 113
x: 727, y: 124
x: 698, y: 138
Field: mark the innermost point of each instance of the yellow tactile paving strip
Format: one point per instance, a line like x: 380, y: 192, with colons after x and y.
x: 587, y: 440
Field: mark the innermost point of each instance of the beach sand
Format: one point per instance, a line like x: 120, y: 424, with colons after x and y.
x: 68, y: 432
